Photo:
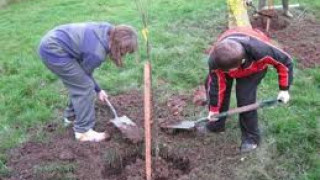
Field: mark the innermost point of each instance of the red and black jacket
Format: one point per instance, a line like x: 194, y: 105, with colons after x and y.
x: 259, y: 54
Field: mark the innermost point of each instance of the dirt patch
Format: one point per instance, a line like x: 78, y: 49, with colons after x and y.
x: 130, y: 132
x: 133, y: 167
x: 179, y: 157
x: 183, y: 156
x: 277, y: 22
x: 300, y: 36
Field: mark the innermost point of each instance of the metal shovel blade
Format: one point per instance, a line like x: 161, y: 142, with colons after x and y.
x: 185, y: 125
x: 181, y: 125
x: 123, y: 121
x: 128, y: 128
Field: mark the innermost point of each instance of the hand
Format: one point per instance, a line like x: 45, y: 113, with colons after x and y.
x: 283, y: 96
x: 103, y: 96
x: 211, y: 116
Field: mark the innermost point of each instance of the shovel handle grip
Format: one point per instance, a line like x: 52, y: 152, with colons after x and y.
x: 112, y: 108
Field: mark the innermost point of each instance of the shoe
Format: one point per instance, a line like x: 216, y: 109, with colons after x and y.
x: 215, y: 127
x: 68, y: 121
x: 288, y: 14
x: 90, y: 136
x: 248, y: 146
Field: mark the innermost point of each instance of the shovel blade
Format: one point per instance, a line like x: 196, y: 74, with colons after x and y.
x: 123, y: 121
x: 183, y: 125
x: 128, y: 129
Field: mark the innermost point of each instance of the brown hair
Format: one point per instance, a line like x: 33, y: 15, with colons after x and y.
x: 123, y: 40
x: 227, y: 54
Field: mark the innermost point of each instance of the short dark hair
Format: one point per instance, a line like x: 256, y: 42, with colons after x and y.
x: 227, y: 54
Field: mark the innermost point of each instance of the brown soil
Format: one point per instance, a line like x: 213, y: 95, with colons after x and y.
x: 179, y: 157
x: 299, y: 36
x: 183, y: 156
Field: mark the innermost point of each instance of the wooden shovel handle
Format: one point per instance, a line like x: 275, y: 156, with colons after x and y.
x: 242, y: 109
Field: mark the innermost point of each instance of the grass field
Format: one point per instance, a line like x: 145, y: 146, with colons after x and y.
x: 180, y: 30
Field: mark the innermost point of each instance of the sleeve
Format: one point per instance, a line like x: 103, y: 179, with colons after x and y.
x: 270, y: 54
x: 89, y: 63
x: 96, y: 85
x: 215, y: 87
x: 283, y: 63
x: 93, y: 54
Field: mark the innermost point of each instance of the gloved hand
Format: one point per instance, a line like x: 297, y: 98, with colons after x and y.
x: 102, y: 95
x: 211, y: 116
x: 283, y: 96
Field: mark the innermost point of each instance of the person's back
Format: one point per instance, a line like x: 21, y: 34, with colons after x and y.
x: 78, y: 39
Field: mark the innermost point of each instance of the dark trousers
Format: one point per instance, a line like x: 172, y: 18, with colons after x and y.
x: 285, y: 4
x: 246, y: 92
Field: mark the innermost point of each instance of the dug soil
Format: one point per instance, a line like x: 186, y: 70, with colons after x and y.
x: 179, y: 156
x: 299, y: 36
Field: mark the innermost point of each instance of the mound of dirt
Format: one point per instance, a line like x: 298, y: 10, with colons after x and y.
x: 174, y: 157
x: 183, y: 156
x: 277, y: 22
x: 300, y: 36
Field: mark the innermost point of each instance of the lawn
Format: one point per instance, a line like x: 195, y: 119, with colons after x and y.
x: 180, y: 31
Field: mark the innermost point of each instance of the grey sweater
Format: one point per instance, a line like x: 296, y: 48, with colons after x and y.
x: 88, y: 43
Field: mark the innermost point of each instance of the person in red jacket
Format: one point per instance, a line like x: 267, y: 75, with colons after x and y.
x: 243, y: 55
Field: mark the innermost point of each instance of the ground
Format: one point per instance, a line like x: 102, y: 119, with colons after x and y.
x: 179, y: 156
x: 300, y: 36
x: 35, y: 145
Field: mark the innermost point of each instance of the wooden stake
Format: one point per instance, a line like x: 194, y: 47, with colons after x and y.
x: 270, y: 8
x: 268, y: 24
x: 147, y: 117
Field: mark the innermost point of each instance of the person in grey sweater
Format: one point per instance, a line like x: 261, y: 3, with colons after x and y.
x: 73, y: 52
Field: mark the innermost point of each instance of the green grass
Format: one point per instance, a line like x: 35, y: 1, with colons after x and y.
x: 180, y: 31
x: 55, y: 171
